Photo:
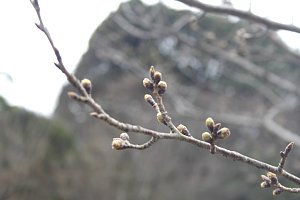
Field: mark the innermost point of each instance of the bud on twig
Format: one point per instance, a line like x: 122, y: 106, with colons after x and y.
x: 87, y: 84
x: 151, y: 72
x: 183, y: 130
x: 210, y: 124
x: 148, y: 84
x: 277, y: 191
x: 124, y: 136
x: 265, y: 184
x: 160, y: 118
x: 117, y: 143
x: 157, y: 77
x: 162, y: 86
x: 273, y: 178
x: 206, y: 136
x: 223, y: 133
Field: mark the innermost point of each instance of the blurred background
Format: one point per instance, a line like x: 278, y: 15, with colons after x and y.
x: 236, y: 71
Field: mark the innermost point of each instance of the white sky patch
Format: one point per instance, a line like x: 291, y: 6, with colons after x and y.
x: 27, y: 57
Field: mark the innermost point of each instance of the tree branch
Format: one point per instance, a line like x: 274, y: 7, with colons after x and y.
x: 241, y: 14
x: 158, y: 88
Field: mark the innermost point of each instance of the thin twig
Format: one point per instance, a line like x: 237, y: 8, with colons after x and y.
x: 241, y: 14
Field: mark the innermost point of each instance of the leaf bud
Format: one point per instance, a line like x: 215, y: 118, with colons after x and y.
x: 72, y: 95
x: 277, y: 191
x: 210, y: 124
x: 206, y: 136
x: 160, y: 118
x: 183, y: 130
x: 87, y: 84
x: 223, y: 133
x: 148, y: 84
x: 157, y: 77
x: 124, y: 136
x: 162, y: 86
x: 273, y: 178
x: 117, y: 144
x: 151, y: 72
x: 265, y: 184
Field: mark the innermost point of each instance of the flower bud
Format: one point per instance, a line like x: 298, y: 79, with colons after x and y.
x: 72, y: 95
x: 151, y: 72
x: 148, y: 84
x: 223, y: 133
x: 273, y: 178
x: 277, y: 191
x: 87, y: 84
x: 210, y: 124
x: 183, y: 130
x: 162, y: 86
x: 160, y: 118
x: 206, y: 136
x: 117, y: 143
x: 265, y: 184
x: 157, y: 77
x: 124, y: 136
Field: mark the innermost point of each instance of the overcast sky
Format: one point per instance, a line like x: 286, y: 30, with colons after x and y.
x: 27, y: 57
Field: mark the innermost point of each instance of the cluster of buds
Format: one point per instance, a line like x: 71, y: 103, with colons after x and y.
x: 120, y: 142
x: 215, y: 131
x: 271, y: 180
x: 155, y: 84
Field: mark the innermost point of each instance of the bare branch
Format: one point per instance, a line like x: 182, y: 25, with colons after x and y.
x: 241, y: 14
x: 158, y: 88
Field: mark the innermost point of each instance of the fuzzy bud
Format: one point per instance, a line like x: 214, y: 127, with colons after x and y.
x: 148, y: 98
x: 117, y: 144
x: 223, y: 133
x: 273, y: 178
x: 206, y: 136
x: 157, y: 77
x: 87, y: 84
x: 124, y: 136
x: 210, y: 124
x: 72, y: 95
x: 183, y: 130
x: 277, y: 191
x: 265, y: 184
x: 151, y: 72
x: 162, y: 86
x: 160, y: 118
x: 148, y: 84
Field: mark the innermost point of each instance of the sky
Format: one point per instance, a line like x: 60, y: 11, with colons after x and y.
x: 26, y: 56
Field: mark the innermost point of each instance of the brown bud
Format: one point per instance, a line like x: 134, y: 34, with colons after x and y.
x: 148, y: 84
x: 151, y: 72
x: 223, y: 133
x: 210, y: 124
x: 277, y: 191
x: 206, y: 136
x: 157, y: 77
x: 87, y: 84
x: 162, y: 86
x: 124, y: 136
x: 183, y: 130
x: 117, y: 143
